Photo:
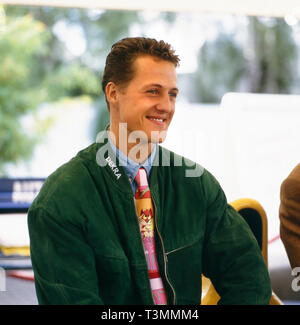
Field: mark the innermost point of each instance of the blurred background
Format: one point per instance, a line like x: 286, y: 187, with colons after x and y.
x: 238, y: 111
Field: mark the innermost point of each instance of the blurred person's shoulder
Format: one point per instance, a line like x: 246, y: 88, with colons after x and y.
x: 291, y: 185
x: 295, y: 173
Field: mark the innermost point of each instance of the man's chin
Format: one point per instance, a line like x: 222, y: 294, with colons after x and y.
x: 158, y: 136
x: 158, y: 141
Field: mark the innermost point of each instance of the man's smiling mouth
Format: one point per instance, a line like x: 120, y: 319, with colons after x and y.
x: 156, y: 119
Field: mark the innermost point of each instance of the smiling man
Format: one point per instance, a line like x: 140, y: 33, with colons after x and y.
x: 122, y: 223
x: 145, y: 104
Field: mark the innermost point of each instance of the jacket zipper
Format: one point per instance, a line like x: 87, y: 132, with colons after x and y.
x: 164, y: 254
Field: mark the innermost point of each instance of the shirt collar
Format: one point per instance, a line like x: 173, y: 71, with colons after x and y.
x: 131, y: 167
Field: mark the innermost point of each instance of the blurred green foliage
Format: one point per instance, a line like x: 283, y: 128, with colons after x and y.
x: 221, y: 65
x: 22, y: 40
x: 263, y: 63
x: 72, y: 81
x: 275, y: 55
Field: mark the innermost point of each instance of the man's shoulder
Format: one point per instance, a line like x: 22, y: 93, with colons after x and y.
x: 69, y: 179
x: 186, y: 174
x: 186, y: 171
x: 179, y: 164
x: 72, y: 170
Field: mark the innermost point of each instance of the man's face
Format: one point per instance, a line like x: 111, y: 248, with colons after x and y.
x: 147, y: 103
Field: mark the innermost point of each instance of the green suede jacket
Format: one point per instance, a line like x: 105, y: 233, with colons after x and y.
x: 86, y: 245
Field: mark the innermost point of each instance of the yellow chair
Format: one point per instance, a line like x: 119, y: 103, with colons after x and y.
x: 256, y: 217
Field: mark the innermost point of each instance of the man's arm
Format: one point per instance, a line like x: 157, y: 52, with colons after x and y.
x: 63, y: 263
x: 232, y: 258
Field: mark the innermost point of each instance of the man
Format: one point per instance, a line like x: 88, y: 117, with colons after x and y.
x: 100, y: 236
x: 289, y: 213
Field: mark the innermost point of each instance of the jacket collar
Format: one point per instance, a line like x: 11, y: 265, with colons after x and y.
x: 107, y: 160
x: 131, y: 167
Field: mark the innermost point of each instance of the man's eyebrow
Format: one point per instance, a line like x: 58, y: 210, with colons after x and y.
x: 159, y: 86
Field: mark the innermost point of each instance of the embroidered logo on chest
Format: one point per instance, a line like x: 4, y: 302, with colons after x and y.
x: 113, y: 167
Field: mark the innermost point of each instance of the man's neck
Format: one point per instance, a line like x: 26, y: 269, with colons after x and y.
x: 138, y: 151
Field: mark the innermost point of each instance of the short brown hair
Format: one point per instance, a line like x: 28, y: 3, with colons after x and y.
x: 119, y: 62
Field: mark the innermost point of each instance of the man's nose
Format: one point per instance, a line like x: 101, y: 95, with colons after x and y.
x: 165, y: 103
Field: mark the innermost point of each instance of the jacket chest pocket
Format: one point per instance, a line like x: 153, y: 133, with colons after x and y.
x: 184, y: 265
x: 114, y: 278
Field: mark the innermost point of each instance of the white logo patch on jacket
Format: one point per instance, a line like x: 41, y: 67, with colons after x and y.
x: 113, y: 167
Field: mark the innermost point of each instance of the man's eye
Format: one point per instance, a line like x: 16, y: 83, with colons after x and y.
x: 173, y: 95
x: 152, y: 91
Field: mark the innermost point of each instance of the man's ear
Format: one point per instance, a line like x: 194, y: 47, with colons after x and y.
x: 111, y: 93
